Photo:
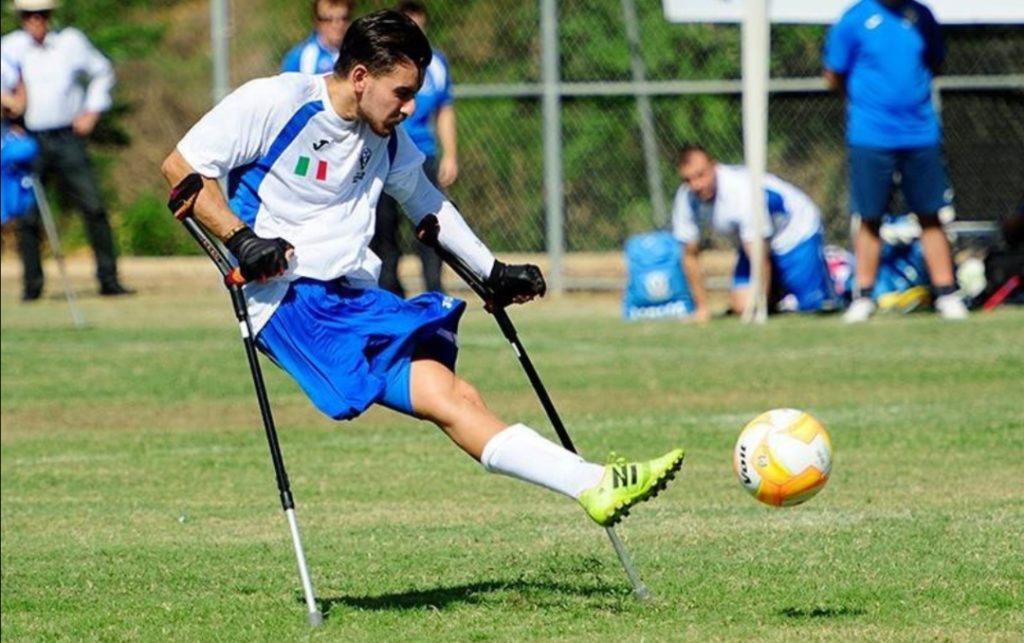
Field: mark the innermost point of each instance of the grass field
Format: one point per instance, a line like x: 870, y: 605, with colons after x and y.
x: 138, y: 499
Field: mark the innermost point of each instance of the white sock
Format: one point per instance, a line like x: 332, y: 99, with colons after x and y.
x: 521, y: 452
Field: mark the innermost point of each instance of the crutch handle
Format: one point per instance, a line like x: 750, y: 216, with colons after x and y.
x: 183, y: 196
x: 182, y: 203
x: 234, y: 277
x: 427, y: 232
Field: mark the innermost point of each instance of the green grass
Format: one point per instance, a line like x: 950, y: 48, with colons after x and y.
x: 138, y: 499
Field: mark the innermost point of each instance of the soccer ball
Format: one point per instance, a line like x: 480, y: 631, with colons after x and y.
x: 783, y: 457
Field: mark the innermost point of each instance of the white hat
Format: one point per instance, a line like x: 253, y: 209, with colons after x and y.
x: 35, y: 5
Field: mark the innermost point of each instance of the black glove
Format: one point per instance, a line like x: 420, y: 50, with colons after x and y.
x: 515, y: 284
x: 259, y: 258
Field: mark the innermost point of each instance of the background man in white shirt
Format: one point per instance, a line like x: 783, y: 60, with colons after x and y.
x: 61, y: 111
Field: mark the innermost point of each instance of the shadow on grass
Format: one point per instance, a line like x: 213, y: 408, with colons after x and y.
x: 470, y: 593
x: 821, y: 612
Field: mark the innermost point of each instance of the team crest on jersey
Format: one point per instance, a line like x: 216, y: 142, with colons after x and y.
x: 364, y: 160
x: 303, y: 164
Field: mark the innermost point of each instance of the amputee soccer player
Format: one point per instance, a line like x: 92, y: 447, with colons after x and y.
x: 306, y: 159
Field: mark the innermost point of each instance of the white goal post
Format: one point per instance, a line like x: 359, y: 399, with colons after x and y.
x: 756, y: 50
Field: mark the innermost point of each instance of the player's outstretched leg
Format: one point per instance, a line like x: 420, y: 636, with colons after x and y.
x: 625, y: 484
x: 607, y: 493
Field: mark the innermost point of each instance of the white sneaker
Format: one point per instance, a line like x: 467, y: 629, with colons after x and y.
x: 951, y: 307
x: 860, y: 310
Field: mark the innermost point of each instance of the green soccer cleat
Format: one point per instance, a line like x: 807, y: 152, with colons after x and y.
x: 624, y: 484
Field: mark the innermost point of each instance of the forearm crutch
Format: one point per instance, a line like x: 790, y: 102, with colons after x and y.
x: 182, y: 202
x: 50, y: 226
x: 427, y: 232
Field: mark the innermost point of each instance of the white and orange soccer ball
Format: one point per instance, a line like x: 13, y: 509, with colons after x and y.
x: 783, y: 457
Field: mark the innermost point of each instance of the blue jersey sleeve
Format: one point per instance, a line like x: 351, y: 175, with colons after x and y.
x: 17, y: 149
x: 774, y: 202
x: 445, y: 92
x: 841, y: 45
x: 290, y: 62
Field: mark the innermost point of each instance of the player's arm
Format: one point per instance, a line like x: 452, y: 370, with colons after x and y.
x: 211, y: 208
x: 687, y: 233
x: 231, y: 135
x: 418, y: 196
x: 838, y: 53
x: 835, y: 81
x: 259, y: 258
x: 448, y: 166
x: 517, y: 283
x: 444, y: 125
x: 13, y: 102
x: 695, y: 278
x: 101, y: 78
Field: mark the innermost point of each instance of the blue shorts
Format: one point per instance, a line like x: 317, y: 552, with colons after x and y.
x: 350, y: 347
x: 801, y: 272
x: 922, y: 179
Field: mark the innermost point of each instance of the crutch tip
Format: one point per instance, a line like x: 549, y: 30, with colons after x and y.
x: 641, y: 593
x: 316, y: 619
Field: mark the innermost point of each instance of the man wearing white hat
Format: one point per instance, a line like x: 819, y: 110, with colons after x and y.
x: 61, y: 112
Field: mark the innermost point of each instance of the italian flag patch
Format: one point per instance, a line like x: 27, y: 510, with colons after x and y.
x: 302, y: 168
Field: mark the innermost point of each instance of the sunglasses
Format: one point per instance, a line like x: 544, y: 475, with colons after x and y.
x: 44, y: 14
x: 344, y: 18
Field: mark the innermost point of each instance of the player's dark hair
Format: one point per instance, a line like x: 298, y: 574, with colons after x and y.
x: 381, y: 41
x: 688, y: 150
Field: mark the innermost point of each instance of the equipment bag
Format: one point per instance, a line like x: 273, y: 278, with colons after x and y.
x: 655, y: 284
x: 900, y: 267
x: 16, y: 153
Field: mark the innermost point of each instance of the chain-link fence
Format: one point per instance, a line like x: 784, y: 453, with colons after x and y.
x: 689, y: 74
x: 692, y: 79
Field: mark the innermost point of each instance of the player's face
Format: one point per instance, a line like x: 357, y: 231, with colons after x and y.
x: 698, y: 173
x: 388, y: 99
x: 332, y: 22
x: 35, y: 23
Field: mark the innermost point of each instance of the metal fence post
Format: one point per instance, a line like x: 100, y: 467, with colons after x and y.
x: 219, y: 16
x: 652, y: 160
x: 552, y: 118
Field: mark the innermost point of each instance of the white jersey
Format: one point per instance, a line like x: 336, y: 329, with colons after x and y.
x: 54, y: 72
x: 299, y: 171
x: 793, y: 217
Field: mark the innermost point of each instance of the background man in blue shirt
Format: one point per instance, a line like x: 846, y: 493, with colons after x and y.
x: 435, y: 112
x: 883, y: 54
x: 317, y: 53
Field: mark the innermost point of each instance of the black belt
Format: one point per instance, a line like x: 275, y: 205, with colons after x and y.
x: 56, y: 131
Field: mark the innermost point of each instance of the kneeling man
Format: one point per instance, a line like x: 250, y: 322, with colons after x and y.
x: 717, y: 196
